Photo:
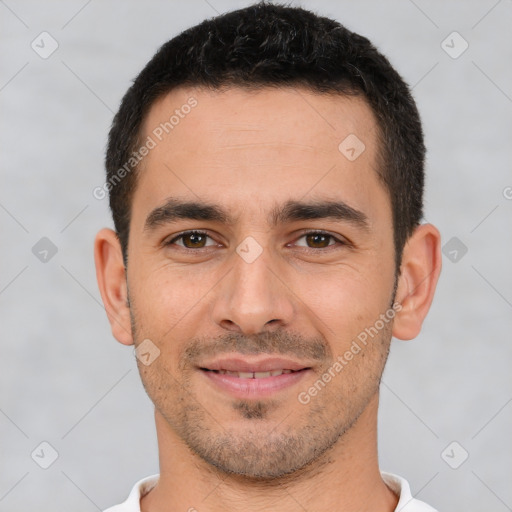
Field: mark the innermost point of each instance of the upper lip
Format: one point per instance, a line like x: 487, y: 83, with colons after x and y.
x: 245, y: 364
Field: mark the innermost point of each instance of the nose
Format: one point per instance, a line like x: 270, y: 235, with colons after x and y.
x: 253, y: 297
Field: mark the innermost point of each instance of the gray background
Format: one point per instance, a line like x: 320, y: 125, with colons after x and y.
x: 66, y: 381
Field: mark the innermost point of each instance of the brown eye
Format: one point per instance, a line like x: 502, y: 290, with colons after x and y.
x: 194, y: 240
x: 318, y: 240
x: 191, y: 240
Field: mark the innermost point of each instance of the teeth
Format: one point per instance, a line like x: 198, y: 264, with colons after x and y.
x: 253, y: 375
x: 261, y: 375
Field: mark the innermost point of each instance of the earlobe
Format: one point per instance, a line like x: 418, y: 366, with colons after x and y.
x: 420, y: 269
x: 111, y: 276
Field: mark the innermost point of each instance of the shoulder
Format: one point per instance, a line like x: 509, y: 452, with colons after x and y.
x: 406, y: 503
x: 132, y: 503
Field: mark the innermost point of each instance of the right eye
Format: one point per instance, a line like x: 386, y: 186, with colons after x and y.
x: 191, y: 240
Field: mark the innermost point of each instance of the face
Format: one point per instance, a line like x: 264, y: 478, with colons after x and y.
x: 259, y: 251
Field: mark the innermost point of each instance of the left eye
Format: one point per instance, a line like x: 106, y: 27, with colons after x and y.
x: 318, y: 240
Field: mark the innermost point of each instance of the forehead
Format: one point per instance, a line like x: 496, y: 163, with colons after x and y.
x: 310, y: 120
x: 236, y: 146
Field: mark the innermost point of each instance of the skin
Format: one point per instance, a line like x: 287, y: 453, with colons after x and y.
x: 306, y: 298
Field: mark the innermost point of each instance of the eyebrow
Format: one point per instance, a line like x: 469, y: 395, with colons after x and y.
x: 175, y: 209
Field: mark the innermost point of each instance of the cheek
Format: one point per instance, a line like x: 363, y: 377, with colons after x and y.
x: 170, y: 292
x: 343, y: 302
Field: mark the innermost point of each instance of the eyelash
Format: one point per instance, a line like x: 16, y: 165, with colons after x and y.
x: 306, y: 233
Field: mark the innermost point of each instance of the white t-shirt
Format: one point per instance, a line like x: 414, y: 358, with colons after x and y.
x: 397, y: 484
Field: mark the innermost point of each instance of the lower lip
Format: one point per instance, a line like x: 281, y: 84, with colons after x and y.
x: 254, y: 388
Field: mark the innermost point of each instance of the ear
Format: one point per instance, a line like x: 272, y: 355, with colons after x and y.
x: 111, y: 276
x: 420, y: 269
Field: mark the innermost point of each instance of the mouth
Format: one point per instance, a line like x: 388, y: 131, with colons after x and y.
x: 255, y: 378
x: 252, y: 375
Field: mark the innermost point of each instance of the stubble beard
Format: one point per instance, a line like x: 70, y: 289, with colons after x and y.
x: 270, y: 445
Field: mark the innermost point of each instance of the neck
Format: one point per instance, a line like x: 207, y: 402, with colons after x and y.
x: 346, y: 477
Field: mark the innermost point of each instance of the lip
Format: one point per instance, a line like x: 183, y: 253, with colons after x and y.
x: 254, y: 364
x: 253, y: 388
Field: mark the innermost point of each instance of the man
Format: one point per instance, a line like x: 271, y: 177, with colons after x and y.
x: 265, y: 173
